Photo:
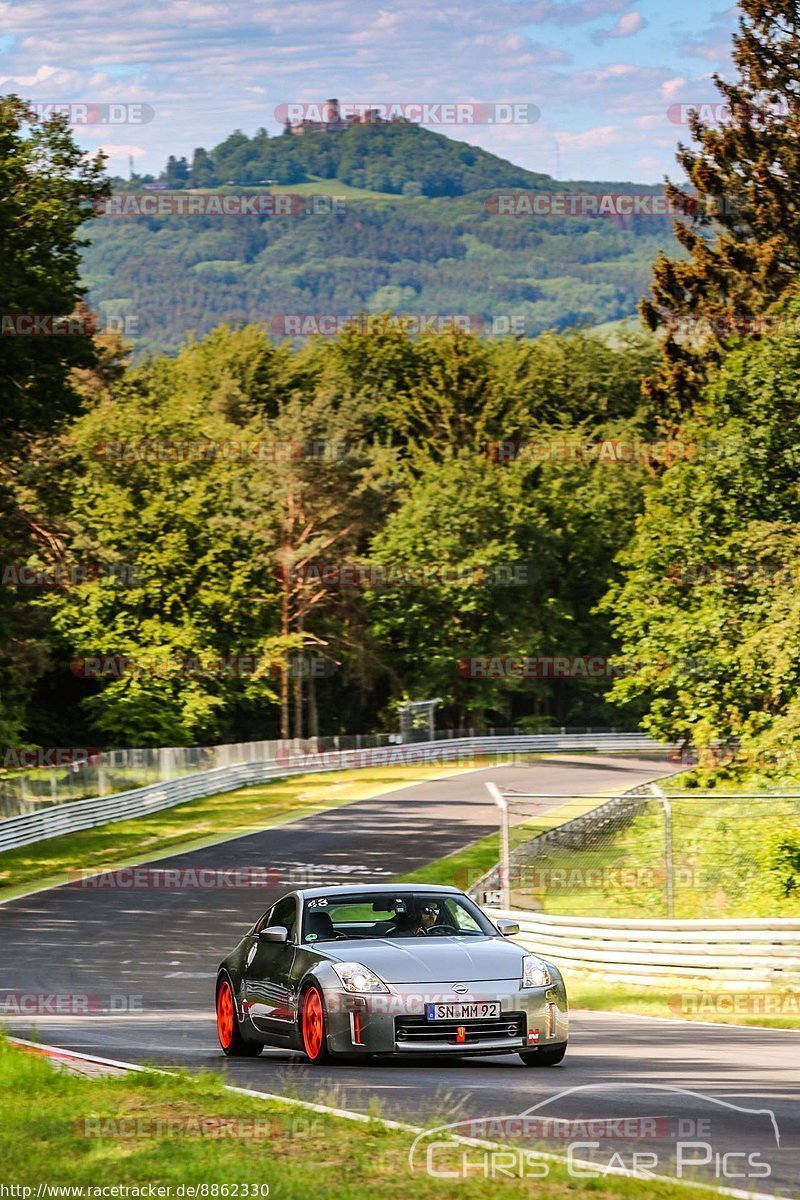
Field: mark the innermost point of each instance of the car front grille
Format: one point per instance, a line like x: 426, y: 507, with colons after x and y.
x: 417, y: 1030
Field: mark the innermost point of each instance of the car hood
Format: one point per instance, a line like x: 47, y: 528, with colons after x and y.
x: 434, y: 960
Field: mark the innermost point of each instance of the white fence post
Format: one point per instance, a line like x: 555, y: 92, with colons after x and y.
x: 670, y: 879
x: 505, y: 854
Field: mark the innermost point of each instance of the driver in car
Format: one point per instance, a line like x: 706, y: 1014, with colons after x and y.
x: 428, y: 916
x: 417, y: 923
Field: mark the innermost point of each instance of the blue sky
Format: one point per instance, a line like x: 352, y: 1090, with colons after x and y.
x: 604, y: 73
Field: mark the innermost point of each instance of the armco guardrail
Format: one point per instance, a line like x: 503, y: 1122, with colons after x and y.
x: 68, y: 774
x: 757, y: 950
x: 86, y: 814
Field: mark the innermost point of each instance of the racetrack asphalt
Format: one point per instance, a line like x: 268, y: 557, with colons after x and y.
x: 151, y: 953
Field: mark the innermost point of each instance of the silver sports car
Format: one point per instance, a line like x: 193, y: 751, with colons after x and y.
x: 388, y: 970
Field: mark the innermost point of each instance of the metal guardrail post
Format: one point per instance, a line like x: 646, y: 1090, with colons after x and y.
x: 670, y: 878
x: 505, y: 855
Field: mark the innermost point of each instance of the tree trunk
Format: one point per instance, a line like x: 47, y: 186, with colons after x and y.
x: 285, y: 663
x: 313, y: 715
x: 298, y: 695
x: 299, y: 668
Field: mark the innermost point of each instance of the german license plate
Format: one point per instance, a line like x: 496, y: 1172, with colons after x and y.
x: 463, y: 1012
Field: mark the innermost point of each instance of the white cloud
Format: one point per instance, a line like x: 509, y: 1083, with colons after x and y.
x: 591, y: 139
x: 671, y: 87
x: 210, y: 66
x: 44, y: 74
x: 647, y: 162
x: 625, y: 26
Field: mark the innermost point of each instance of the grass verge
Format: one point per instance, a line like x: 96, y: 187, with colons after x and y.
x: 770, y: 1008
x: 198, y: 823
x: 62, y: 1130
x: 733, y: 856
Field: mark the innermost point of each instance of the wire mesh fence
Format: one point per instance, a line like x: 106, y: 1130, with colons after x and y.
x: 645, y: 854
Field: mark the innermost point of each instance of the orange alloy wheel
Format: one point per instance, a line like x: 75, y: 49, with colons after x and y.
x: 313, y: 1024
x: 225, y: 1015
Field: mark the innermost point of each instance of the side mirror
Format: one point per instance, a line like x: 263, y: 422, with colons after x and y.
x: 507, y: 928
x: 274, y: 933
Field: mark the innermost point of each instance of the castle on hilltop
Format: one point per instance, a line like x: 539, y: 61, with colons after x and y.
x: 331, y: 117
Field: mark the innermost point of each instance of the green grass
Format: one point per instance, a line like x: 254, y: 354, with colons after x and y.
x: 56, y: 1128
x: 199, y: 822
x: 769, y: 1008
x: 316, y: 186
x: 732, y: 857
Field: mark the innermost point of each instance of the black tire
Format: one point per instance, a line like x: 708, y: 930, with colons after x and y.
x: 314, y: 1026
x: 548, y: 1056
x: 233, y: 1044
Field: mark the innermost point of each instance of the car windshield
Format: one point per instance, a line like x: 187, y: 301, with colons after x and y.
x: 392, y: 915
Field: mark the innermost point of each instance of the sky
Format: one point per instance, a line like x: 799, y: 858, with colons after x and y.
x: 606, y: 76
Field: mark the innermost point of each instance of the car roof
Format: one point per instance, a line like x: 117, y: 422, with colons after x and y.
x: 380, y: 889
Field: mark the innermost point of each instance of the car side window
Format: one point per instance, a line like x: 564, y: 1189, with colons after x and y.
x: 462, y: 920
x: 262, y: 922
x: 285, y: 913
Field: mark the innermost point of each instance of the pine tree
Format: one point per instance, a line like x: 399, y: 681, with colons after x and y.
x: 739, y: 223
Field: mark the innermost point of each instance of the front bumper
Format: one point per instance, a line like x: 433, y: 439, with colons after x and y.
x: 396, y: 1022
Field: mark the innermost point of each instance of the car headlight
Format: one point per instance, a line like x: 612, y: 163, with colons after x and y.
x: 356, y: 978
x: 534, y: 972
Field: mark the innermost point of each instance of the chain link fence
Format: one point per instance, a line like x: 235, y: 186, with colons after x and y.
x: 652, y: 854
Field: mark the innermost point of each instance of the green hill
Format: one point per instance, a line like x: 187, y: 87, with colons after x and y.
x: 446, y: 251
x: 398, y: 158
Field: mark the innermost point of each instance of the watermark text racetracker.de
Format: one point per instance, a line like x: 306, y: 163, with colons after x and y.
x: 204, y: 666
x: 167, y: 450
x: 601, y: 204
x: 213, y: 1126
x: 191, y: 203
x: 67, y: 1004
x: 610, y: 450
x: 179, y: 879
x: 602, y: 877
x: 751, y: 758
x: 735, y: 1005
x: 551, y: 666
x: 405, y: 574
x: 330, y: 324
x: 413, y: 324
x: 720, y: 112
x: 21, y: 758
x: 607, y: 451
x: 582, y: 666
x: 58, y: 325
x: 417, y: 112
x: 90, y: 112
x: 65, y: 575
x: 734, y: 574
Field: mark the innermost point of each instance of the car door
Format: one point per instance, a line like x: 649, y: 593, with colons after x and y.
x: 267, y: 991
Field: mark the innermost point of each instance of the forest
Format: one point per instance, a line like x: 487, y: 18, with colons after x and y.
x: 394, y: 239
x: 254, y: 536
